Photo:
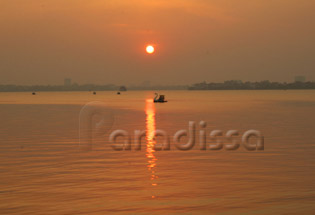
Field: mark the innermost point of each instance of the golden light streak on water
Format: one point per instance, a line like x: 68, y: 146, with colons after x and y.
x: 150, y: 141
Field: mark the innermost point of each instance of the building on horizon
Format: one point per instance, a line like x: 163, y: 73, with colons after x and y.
x: 67, y: 82
x: 300, y: 79
x: 122, y: 88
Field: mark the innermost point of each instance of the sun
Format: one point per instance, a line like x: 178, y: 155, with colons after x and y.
x: 149, y: 49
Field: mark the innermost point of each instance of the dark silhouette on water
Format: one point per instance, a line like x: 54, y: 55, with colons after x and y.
x: 160, y: 99
x: 94, y: 93
x: 118, y: 93
x: 33, y: 93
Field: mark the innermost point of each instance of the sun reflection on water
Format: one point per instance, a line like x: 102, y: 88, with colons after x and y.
x: 150, y: 141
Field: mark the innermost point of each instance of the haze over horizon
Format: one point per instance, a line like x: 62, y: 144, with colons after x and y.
x: 103, y: 42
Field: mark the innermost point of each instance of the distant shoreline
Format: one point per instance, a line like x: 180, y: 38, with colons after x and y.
x: 262, y: 85
x: 227, y: 85
x: 154, y: 90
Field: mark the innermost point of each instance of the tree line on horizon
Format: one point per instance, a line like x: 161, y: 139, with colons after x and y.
x: 227, y: 85
x: 261, y: 85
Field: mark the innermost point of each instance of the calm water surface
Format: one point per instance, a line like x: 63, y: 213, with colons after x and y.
x: 44, y: 171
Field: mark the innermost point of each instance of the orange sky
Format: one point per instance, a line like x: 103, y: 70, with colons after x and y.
x: 103, y: 41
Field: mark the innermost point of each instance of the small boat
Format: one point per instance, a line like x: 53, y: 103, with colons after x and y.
x: 118, y: 93
x: 33, y: 93
x: 94, y: 93
x: 159, y: 99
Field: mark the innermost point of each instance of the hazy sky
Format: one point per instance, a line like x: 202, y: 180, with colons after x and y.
x: 103, y: 41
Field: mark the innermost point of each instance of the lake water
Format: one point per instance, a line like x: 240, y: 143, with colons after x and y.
x: 44, y: 169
